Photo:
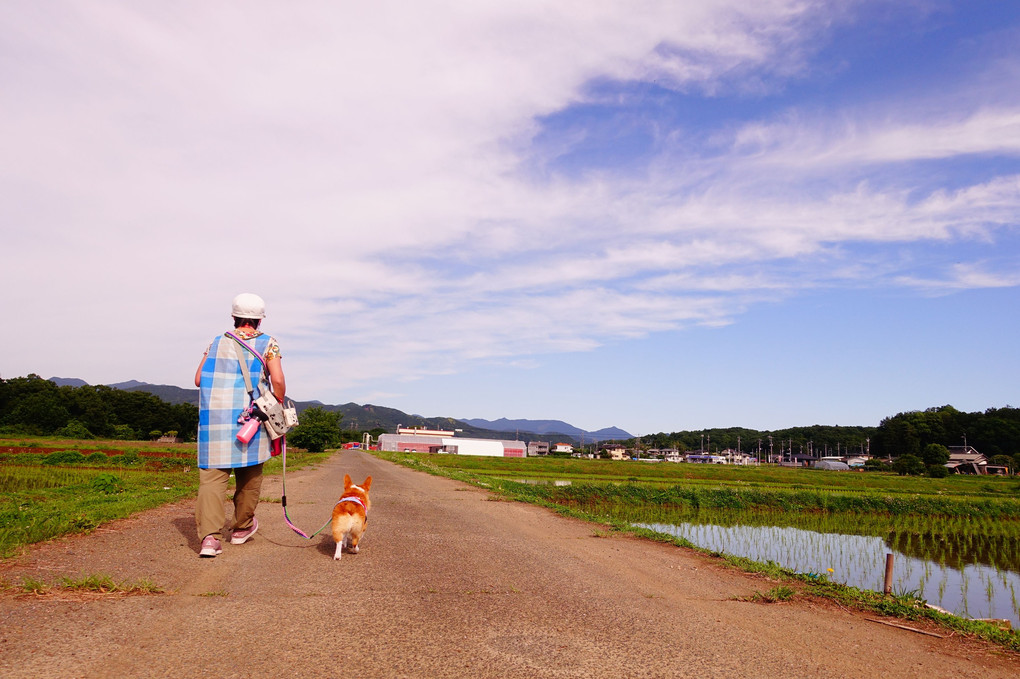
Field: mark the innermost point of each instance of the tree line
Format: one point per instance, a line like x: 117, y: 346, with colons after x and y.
x: 35, y: 406
x: 817, y: 440
x: 994, y: 432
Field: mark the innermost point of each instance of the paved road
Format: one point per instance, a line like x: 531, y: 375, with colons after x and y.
x: 449, y: 583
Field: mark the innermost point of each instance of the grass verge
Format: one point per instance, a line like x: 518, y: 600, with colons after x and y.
x: 40, y: 500
x: 88, y: 584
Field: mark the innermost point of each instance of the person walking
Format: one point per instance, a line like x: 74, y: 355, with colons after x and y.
x: 223, y: 397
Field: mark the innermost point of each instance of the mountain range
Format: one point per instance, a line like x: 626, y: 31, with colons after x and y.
x: 364, y: 417
x: 552, y: 427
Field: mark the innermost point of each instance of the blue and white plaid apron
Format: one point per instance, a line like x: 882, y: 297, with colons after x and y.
x: 222, y: 397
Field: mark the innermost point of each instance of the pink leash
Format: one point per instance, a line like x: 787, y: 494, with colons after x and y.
x: 281, y: 444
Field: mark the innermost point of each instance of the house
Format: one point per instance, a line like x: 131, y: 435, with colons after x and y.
x: 416, y: 440
x: 673, y: 455
x: 699, y: 458
x: 538, y: 448
x: 563, y: 448
x: 966, y: 460
x: 734, y: 457
x: 616, y: 451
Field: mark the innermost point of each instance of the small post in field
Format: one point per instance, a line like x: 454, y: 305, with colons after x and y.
x: 888, y: 573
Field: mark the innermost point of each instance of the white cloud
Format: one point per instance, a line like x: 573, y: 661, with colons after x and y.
x: 368, y: 169
x: 862, y: 142
x: 963, y: 276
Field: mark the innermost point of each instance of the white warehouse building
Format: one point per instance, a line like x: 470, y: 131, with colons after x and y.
x: 439, y: 441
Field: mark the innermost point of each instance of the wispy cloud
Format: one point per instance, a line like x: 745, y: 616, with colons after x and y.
x: 864, y: 142
x: 371, y: 170
x: 958, y: 277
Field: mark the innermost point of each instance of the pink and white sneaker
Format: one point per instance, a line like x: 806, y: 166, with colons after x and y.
x: 239, y: 537
x: 211, y: 546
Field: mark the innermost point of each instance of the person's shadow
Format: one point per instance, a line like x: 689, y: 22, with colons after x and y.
x: 186, y: 527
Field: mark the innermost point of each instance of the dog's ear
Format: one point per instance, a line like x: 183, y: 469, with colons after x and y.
x: 367, y: 484
x: 347, y: 481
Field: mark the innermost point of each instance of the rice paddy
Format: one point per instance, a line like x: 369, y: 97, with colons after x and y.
x: 971, y: 590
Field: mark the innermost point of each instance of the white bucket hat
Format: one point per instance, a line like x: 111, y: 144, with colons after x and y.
x: 248, y: 305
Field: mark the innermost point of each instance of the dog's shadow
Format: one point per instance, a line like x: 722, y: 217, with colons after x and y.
x: 327, y: 546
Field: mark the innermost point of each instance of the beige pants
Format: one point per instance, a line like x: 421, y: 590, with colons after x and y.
x: 210, y: 514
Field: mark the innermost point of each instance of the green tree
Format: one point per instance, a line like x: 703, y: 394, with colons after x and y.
x: 874, y: 464
x: 319, y: 429
x: 935, y: 453
x: 75, y: 430
x: 1004, y: 460
x: 908, y: 465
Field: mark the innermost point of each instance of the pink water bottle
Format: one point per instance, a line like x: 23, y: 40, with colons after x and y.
x: 248, y: 430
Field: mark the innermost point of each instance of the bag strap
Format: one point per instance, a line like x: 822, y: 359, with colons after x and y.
x: 254, y: 353
x: 244, y: 371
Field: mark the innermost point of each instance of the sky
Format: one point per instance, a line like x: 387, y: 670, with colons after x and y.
x: 659, y: 216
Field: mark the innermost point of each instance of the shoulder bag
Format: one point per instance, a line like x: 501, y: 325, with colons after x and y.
x: 278, y: 420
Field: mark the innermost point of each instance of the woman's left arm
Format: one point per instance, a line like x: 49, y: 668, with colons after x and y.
x: 276, y: 379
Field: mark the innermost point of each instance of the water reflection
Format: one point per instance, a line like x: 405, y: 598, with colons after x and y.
x: 958, y: 551
x: 968, y: 583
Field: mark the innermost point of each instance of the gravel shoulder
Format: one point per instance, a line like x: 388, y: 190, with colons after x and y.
x: 449, y: 583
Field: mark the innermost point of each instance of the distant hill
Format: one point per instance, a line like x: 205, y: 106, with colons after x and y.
x: 549, y: 429
x: 168, y: 393
x: 131, y: 384
x: 364, y: 417
x: 611, y: 434
x: 68, y: 382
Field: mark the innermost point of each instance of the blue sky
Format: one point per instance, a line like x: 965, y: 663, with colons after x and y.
x: 657, y: 215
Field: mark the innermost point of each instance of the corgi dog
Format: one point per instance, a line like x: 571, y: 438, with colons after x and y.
x: 350, y: 515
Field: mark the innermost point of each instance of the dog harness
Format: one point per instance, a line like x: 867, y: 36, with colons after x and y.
x: 355, y: 500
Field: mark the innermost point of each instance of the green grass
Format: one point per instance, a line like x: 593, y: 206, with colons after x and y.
x: 703, y: 475
x: 37, y: 504
x: 28, y: 443
x: 774, y: 595
x: 40, y: 501
x: 104, y: 584
x: 96, y: 584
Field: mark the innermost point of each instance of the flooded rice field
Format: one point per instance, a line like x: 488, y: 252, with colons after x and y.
x: 968, y: 575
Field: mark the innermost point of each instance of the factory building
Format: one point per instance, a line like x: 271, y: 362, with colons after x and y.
x: 439, y: 441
